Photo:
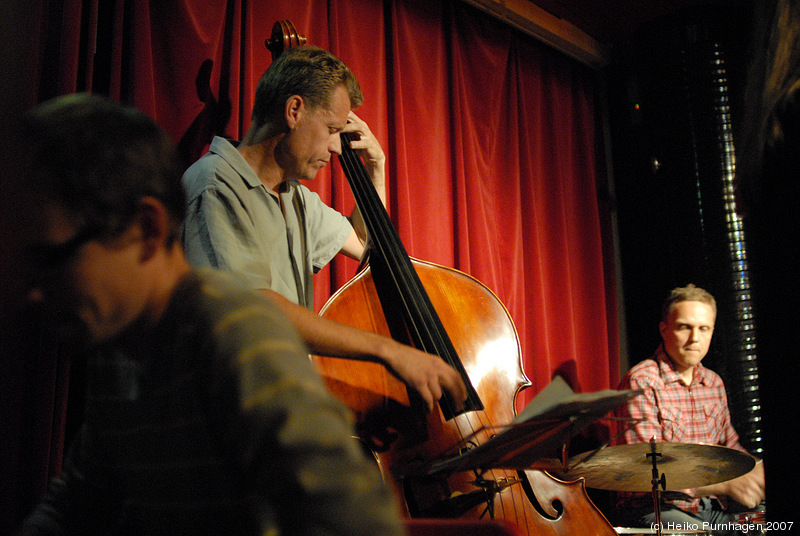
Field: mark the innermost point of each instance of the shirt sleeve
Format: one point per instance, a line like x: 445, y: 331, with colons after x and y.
x: 219, y: 233
x: 328, y: 230
x: 294, y: 441
x: 730, y: 438
x: 644, y: 408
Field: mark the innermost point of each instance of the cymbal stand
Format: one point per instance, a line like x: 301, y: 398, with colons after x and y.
x: 653, y: 455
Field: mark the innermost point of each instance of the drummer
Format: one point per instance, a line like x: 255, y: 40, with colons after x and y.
x: 685, y: 402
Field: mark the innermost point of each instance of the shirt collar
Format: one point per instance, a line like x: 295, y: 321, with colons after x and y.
x: 228, y: 152
x: 669, y: 374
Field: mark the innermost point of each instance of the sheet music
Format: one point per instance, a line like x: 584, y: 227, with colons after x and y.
x: 557, y: 400
x: 547, y: 422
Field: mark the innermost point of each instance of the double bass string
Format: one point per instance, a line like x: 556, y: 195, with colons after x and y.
x: 435, y: 339
x: 396, y: 260
x: 380, y: 227
x: 493, y: 482
x: 504, y: 491
x: 430, y: 334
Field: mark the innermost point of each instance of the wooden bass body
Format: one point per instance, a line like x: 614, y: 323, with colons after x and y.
x: 404, y: 437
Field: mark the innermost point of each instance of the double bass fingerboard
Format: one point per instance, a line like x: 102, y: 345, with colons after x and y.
x: 421, y: 320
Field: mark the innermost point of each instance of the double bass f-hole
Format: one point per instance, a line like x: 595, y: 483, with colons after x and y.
x: 450, y: 314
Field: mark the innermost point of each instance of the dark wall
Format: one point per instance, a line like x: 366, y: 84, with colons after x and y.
x: 675, y: 97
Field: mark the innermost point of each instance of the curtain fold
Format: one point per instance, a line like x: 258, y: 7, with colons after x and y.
x: 490, y: 140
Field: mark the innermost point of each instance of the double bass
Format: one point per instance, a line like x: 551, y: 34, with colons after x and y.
x: 447, y: 313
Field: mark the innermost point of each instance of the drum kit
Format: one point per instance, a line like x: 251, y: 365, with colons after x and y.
x: 684, y: 466
x: 557, y: 413
x: 638, y: 468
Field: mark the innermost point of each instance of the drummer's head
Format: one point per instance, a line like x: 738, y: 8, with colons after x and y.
x: 687, y: 324
x: 687, y: 293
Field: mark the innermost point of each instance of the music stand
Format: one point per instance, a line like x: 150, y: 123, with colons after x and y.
x: 543, y: 427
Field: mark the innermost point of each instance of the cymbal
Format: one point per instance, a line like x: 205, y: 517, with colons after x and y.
x: 684, y: 465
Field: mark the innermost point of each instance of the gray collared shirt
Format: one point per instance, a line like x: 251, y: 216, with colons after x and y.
x: 234, y: 223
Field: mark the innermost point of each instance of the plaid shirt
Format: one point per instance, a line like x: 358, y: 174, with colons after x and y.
x: 672, y: 411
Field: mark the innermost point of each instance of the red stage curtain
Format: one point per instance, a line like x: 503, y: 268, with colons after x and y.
x: 490, y: 139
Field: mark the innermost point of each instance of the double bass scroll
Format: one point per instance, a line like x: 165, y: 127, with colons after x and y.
x: 284, y: 35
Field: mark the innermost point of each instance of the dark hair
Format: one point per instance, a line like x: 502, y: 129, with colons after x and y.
x: 307, y: 71
x: 687, y: 293
x: 98, y: 158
